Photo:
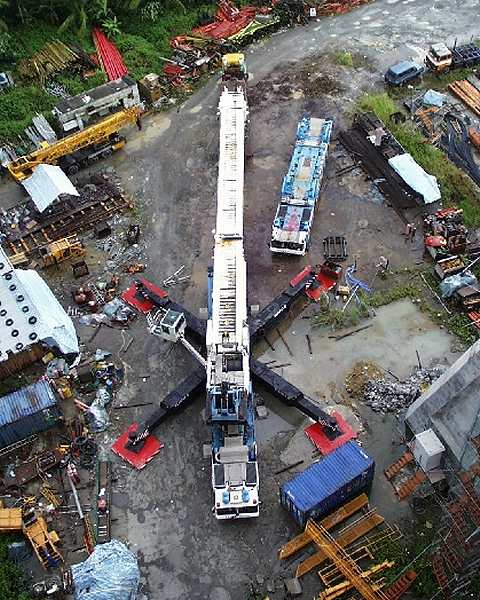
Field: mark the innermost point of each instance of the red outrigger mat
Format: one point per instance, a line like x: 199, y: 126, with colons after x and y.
x: 143, y: 305
x: 316, y: 434
x: 138, y: 460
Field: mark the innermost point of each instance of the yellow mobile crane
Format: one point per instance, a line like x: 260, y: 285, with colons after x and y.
x: 80, y: 148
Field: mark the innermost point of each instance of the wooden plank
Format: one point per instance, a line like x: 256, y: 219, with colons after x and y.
x: 350, y: 535
x: 10, y: 519
x: 345, y: 511
x: 467, y: 93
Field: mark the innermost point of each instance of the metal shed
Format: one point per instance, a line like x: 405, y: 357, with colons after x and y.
x: 26, y: 412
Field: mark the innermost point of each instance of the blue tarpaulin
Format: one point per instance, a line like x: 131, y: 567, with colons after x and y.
x: 110, y: 573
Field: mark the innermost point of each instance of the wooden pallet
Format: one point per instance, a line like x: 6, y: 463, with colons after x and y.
x: 343, y: 513
x: 392, y: 470
x: 76, y: 221
x: 411, y: 485
x: 400, y: 586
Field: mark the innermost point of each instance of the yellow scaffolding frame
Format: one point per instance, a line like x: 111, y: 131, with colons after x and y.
x: 344, y: 562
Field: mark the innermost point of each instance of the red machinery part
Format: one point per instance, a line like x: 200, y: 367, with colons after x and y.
x: 143, y: 305
x: 140, y: 459
x: 325, y: 280
x: 317, y: 434
x: 435, y: 241
x: 109, y: 56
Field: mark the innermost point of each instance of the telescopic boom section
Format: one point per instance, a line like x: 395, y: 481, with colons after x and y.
x: 230, y: 408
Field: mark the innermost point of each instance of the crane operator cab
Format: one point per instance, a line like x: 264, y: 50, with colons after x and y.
x: 171, y: 326
x: 234, y: 67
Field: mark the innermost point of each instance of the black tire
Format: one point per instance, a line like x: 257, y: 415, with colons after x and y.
x: 73, y: 169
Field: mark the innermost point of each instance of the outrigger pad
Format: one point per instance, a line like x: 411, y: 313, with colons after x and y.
x: 316, y: 433
x: 134, y: 298
x: 139, y: 460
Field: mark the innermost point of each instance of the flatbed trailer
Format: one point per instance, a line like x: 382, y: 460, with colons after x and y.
x: 301, y: 187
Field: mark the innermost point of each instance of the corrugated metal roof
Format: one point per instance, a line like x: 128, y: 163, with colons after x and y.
x: 26, y: 402
x: 324, y: 478
x: 40, y: 421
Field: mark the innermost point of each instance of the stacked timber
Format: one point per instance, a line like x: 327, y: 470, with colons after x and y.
x: 52, y: 58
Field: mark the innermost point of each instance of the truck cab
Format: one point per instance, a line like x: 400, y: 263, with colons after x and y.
x: 234, y: 67
x: 438, y: 58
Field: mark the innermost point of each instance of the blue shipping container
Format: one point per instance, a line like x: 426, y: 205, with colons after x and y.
x: 327, y: 484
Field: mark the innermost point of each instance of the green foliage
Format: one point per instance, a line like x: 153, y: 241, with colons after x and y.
x: 455, y: 185
x: 74, y: 84
x: 140, y: 56
x: 7, y: 47
x: 408, y: 551
x: 399, y: 292
x: 18, y: 105
x: 158, y: 32
x: 441, y: 81
x: 380, y: 104
x: 337, y: 318
x: 344, y: 58
x: 11, y: 579
x: 111, y: 26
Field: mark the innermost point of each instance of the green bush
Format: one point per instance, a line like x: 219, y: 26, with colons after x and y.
x: 11, y: 579
x: 140, y: 56
x: 344, y: 58
x: 18, y: 105
x: 74, y: 84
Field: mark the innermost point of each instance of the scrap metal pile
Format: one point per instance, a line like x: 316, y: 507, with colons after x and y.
x: 336, y: 7
x: 231, y: 28
x: 447, y: 241
x: 384, y: 395
x: 24, y: 230
x: 373, y: 145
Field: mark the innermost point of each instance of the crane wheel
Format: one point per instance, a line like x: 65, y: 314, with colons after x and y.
x: 73, y: 169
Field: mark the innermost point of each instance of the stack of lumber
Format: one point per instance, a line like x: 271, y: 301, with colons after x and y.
x: 468, y: 93
x: 52, y: 58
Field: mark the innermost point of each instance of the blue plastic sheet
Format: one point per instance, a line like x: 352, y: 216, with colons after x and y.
x: 452, y: 284
x: 110, y: 573
x: 353, y: 282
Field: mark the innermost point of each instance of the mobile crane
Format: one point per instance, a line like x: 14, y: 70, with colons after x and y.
x: 229, y: 405
x: 78, y: 149
x: 227, y: 370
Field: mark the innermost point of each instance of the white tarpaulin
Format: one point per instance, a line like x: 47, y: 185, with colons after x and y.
x: 413, y: 175
x: 56, y: 326
x: 46, y: 184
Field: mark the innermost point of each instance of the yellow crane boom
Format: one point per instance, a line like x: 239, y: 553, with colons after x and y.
x: 101, y: 132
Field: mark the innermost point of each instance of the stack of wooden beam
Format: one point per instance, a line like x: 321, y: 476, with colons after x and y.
x: 52, y: 58
x: 468, y: 93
